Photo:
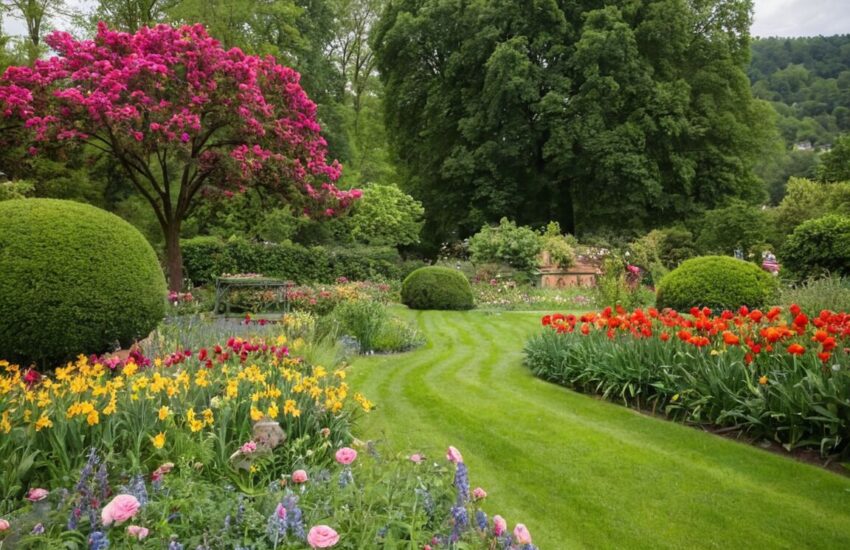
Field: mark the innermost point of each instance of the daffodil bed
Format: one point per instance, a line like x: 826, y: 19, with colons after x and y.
x: 777, y: 375
x: 240, y: 444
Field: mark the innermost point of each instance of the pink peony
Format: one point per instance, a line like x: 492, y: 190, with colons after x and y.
x: 499, y: 525
x: 417, y: 458
x: 454, y: 455
x: 322, y: 536
x: 120, y: 509
x: 299, y: 476
x: 137, y: 531
x: 37, y: 494
x: 346, y: 455
x: 248, y: 448
x: 478, y: 493
x: 4, y: 525
x: 521, y: 534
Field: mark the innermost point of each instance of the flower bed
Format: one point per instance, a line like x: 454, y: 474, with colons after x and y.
x: 778, y: 375
x: 361, y: 500
x: 200, y: 404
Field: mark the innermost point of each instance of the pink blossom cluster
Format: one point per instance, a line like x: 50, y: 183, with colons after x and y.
x: 241, y: 119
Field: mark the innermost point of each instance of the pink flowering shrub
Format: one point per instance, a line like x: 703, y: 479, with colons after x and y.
x: 184, y: 117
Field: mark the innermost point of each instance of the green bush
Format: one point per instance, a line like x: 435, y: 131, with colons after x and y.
x: 436, y: 288
x: 508, y: 244
x: 76, y: 279
x: 717, y: 282
x: 736, y: 226
x: 819, y: 246
x: 373, y: 327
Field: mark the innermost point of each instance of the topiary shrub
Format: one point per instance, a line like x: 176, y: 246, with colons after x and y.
x: 819, y: 246
x: 75, y: 279
x: 436, y: 288
x: 717, y: 282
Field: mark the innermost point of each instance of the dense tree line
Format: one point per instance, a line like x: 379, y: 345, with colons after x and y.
x: 807, y: 80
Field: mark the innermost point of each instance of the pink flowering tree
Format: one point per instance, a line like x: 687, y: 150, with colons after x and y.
x: 185, y: 119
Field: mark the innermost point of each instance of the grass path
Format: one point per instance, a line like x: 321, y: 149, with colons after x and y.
x: 581, y: 472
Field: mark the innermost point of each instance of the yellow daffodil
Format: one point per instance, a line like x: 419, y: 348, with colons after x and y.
x: 158, y: 440
x: 163, y: 412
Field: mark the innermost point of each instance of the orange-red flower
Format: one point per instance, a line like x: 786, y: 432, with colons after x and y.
x: 796, y: 349
x: 730, y: 339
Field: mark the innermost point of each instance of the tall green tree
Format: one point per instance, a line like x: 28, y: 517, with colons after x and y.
x: 627, y: 115
x: 835, y: 164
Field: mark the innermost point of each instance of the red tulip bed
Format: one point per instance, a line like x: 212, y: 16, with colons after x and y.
x: 779, y: 374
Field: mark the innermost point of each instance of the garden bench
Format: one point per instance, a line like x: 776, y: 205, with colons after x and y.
x: 223, y: 286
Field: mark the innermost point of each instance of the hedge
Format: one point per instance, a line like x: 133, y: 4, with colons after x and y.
x: 205, y: 258
x: 75, y: 280
x: 819, y: 246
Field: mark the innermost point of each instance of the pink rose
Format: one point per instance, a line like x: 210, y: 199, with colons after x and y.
x: 37, y: 494
x: 120, y: 509
x: 346, y: 455
x: 478, y: 493
x: 4, y: 525
x: 248, y: 448
x: 499, y: 526
x: 417, y: 458
x: 521, y: 534
x: 454, y: 455
x: 137, y: 531
x: 299, y: 476
x: 322, y: 536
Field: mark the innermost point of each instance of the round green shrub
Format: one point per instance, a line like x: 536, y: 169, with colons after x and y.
x: 819, y: 246
x: 75, y: 279
x: 717, y: 282
x: 436, y: 288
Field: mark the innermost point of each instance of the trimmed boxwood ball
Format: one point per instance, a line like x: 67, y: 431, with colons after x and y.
x: 75, y: 279
x: 436, y: 288
x: 717, y: 282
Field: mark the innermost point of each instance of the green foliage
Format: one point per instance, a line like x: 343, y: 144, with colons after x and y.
x: 614, y: 289
x: 374, y: 328
x: 506, y: 243
x: 716, y: 282
x: 807, y: 81
x: 817, y: 294
x: 736, y: 226
x: 75, y: 280
x: 386, y: 216
x: 806, y: 199
x: 819, y: 246
x: 206, y: 258
x: 436, y: 288
x: 558, y: 246
x: 15, y: 189
x: 835, y: 164
x: 591, y: 114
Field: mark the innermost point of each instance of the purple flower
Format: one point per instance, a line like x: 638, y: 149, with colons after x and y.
x: 462, y: 483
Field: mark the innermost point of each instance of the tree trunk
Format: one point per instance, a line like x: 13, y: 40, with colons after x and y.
x: 173, y: 256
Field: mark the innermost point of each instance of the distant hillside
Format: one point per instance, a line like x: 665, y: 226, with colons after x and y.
x: 808, y: 82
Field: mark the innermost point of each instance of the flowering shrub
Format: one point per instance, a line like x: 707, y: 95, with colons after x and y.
x: 362, y: 500
x: 775, y: 374
x: 322, y: 299
x: 198, y: 404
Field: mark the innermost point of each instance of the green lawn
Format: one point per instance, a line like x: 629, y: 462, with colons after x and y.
x: 581, y: 472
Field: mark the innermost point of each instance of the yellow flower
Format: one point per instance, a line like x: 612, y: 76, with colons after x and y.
x: 5, y: 426
x: 163, y: 412
x: 201, y: 379
x: 130, y: 368
x: 113, y: 404
x: 43, y: 422
x: 93, y: 418
x: 157, y: 362
x: 273, y: 411
x: 195, y: 425
x: 158, y: 440
x: 290, y: 407
x: 256, y: 414
x: 763, y: 380
x: 208, y: 417
x: 364, y: 403
x: 232, y: 391
x: 339, y: 373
